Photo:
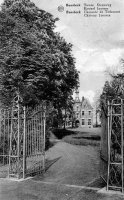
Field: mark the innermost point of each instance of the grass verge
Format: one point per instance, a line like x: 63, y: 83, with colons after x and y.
x: 78, y: 137
x: 82, y: 141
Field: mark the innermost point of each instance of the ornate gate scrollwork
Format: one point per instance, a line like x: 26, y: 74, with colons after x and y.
x: 115, y: 144
x: 17, y: 140
x: 22, y: 140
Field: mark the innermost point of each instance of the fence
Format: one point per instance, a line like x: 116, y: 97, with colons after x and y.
x: 22, y: 140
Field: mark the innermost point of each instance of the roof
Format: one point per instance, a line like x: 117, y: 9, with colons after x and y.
x: 86, y: 104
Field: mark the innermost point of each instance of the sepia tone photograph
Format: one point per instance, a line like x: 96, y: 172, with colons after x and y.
x: 61, y: 99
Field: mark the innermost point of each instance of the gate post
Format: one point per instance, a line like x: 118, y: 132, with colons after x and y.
x: 115, y: 145
x: 17, y: 140
x: 44, y: 134
x: 108, y: 131
x: 24, y: 144
x: 122, y: 144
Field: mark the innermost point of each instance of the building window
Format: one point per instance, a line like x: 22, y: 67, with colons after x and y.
x: 89, y: 121
x: 77, y: 108
x: 89, y: 112
x: 83, y: 112
x: 83, y: 122
x: 77, y: 115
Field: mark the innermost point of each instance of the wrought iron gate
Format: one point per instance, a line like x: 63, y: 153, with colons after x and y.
x: 22, y: 140
x: 115, y: 144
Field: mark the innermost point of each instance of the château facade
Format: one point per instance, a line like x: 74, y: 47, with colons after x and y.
x: 83, y: 112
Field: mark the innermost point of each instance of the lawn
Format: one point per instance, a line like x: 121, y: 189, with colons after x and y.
x: 79, y: 136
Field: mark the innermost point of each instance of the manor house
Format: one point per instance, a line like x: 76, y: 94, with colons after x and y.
x: 83, y: 112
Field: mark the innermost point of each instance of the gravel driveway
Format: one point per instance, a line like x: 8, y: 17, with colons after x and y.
x: 75, y: 165
x: 72, y: 168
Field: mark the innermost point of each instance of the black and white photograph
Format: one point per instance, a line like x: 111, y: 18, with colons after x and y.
x: 61, y: 99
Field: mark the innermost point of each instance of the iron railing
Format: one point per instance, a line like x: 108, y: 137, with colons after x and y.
x: 22, y: 140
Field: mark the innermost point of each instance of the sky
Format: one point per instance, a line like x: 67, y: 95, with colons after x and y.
x: 98, y: 43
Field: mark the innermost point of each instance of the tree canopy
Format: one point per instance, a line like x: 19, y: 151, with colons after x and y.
x: 34, y: 59
x: 112, y: 90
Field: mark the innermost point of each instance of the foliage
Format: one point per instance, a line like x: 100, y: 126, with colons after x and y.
x: 112, y: 89
x: 97, y: 108
x: 34, y: 59
x: 61, y: 133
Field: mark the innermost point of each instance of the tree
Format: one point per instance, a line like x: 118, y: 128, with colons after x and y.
x: 111, y: 90
x: 34, y: 59
x: 68, y: 109
x: 97, y: 106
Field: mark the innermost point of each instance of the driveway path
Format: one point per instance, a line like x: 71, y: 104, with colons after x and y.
x: 75, y: 165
